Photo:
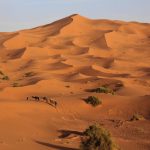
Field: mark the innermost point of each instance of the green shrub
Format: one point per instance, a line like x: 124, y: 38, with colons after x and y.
x: 94, y: 101
x: 5, y: 78
x: 137, y: 117
x: 103, y: 90
x: 97, y: 138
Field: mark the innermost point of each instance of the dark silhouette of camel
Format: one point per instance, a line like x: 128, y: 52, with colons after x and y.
x: 53, y: 102
x: 44, y: 99
x: 36, y: 98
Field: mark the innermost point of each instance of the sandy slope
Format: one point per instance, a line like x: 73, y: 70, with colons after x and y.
x: 65, y: 59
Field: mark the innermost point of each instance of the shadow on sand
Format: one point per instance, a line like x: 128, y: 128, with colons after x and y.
x: 66, y: 133
x: 55, y: 146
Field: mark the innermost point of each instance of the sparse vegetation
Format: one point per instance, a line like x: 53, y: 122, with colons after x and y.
x: 103, y: 90
x: 137, y: 117
x: 94, y: 101
x: 5, y: 78
x: 15, y: 84
x: 29, y: 74
x: 97, y: 138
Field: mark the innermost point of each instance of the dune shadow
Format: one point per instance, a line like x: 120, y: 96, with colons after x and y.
x: 66, y: 133
x: 18, y: 53
x: 90, y: 90
x: 58, y: 147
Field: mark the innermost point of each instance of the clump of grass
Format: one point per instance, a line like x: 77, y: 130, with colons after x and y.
x: 5, y: 78
x: 137, y: 117
x: 15, y: 84
x: 94, y: 101
x: 103, y: 90
x: 29, y: 74
x: 97, y: 138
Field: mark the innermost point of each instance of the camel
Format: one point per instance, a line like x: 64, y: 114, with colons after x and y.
x: 45, y: 99
x: 53, y: 102
x: 36, y: 98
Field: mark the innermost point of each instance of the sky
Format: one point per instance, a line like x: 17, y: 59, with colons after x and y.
x: 23, y: 14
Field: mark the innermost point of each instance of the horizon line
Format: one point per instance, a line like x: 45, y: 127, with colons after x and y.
x: 90, y: 18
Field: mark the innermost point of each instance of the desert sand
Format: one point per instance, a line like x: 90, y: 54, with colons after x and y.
x: 63, y: 60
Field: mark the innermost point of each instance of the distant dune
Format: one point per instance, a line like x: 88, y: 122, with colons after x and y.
x: 64, y: 60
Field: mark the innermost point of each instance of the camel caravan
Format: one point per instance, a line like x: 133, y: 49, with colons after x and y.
x: 43, y: 99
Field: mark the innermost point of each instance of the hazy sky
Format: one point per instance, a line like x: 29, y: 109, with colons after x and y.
x: 20, y: 14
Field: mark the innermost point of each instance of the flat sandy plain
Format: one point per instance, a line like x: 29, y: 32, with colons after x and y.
x: 63, y: 60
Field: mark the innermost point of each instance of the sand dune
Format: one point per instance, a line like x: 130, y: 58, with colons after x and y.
x: 64, y: 60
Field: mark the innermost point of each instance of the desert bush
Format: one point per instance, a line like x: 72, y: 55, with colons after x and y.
x: 97, y: 138
x: 103, y: 90
x: 5, y: 78
x: 137, y: 117
x: 15, y: 84
x: 29, y: 74
x: 94, y: 101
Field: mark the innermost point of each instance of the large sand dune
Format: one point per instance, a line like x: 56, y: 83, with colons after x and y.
x: 63, y: 60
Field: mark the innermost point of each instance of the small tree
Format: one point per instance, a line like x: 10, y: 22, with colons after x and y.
x: 94, y: 101
x: 97, y: 138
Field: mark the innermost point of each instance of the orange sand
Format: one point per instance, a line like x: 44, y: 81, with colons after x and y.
x: 67, y: 58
